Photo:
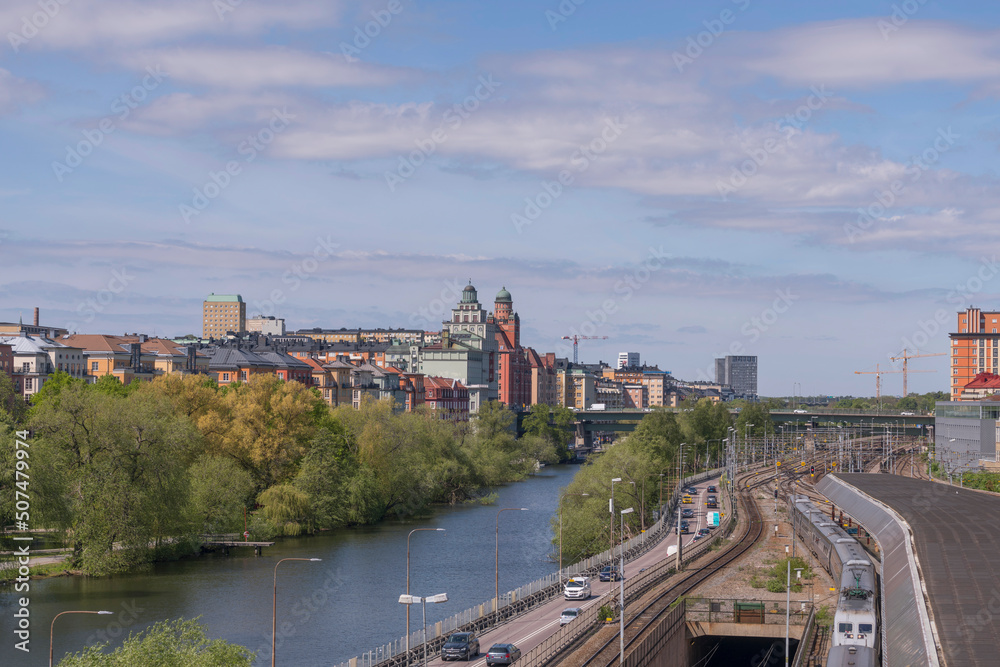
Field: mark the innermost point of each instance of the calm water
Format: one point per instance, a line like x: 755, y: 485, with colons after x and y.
x: 336, y: 609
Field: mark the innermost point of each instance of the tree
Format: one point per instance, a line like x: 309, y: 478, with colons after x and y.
x: 221, y: 491
x: 552, y: 424
x: 286, y: 508
x: 10, y: 399
x: 113, y: 470
x: 180, y: 643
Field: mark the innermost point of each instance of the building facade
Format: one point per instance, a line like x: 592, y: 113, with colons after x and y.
x: 740, y: 373
x: 223, y: 313
x: 514, y: 369
x: 269, y: 326
x: 975, y: 348
x: 627, y: 359
x: 966, y: 434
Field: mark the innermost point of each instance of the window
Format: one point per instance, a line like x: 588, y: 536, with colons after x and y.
x: 243, y: 375
x: 225, y: 377
x: 845, y: 627
x: 865, y: 627
x: 93, y: 366
x: 28, y: 384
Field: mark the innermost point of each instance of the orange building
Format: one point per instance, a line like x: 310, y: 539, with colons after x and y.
x: 974, y: 348
x: 514, y: 382
x: 448, y: 398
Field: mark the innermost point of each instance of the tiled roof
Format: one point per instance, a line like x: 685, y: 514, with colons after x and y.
x: 31, y: 344
x: 282, y: 360
x: 227, y: 357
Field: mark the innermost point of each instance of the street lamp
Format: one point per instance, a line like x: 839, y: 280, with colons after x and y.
x: 274, y: 601
x: 621, y: 585
x: 413, y: 599
x: 496, y: 600
x: 52, y: 627
x: 680, y: 459
x: 408, y: 585
x: 560, y: 530
x: 788, y: 603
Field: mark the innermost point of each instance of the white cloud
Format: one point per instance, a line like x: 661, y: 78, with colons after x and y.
x: 15, y: 92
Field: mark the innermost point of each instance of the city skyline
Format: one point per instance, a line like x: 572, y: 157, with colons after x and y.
x: 356, y: 164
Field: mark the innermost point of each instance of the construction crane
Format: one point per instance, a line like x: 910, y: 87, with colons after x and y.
x: 576, y: 339
x: 878, y: 373
x: 906, y: 357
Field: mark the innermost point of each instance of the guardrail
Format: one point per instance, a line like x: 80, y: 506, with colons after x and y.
x: 512, y: 603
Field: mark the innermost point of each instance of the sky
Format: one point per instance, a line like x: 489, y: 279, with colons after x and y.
x: 811, y: 183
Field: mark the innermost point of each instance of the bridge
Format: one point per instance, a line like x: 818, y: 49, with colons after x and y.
x: 591, y: 422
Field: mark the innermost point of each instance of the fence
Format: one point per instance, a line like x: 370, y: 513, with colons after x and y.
x: 511, y: 604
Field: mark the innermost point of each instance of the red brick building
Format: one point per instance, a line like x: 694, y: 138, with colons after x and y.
x: 514, y: 385
x: 448, y: 398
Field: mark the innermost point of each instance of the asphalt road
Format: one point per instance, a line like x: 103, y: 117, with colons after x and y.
x: 534, y: 627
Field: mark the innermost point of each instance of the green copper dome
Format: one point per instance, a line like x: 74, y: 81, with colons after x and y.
x: 503, y: 296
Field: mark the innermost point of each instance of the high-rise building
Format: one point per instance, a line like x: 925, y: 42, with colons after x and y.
x: 628, y: 359
x: 222, y: 313
x: 974, y: 348
x: 740, y: 373
x: 514, y: 376
x: 471, y: 325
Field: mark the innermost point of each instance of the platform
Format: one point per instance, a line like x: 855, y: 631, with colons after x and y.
x: 956, y: 538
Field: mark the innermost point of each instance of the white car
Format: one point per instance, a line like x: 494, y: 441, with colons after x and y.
x: 798, y: 412
x: 568, y: 615
x: 577, y: 588
x: 906, y: 414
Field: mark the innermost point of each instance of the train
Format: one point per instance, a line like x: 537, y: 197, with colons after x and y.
x: 855, y: 622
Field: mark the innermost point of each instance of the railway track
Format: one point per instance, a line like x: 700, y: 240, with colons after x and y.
x: 649, y: 615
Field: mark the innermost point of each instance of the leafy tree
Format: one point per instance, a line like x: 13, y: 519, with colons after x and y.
x: 221, y: 491
x: 757, y: 414
x: 11, y: 401
x: 323, y: 475
x: 286, y: 508
x: 552, y: 424
x: 180, y: 643
x: 113, y: 470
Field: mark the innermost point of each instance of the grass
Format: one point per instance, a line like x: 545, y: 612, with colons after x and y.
x: 47, y: 570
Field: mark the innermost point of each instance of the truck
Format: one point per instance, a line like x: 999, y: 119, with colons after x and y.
x: 597, y: 406
x: 713, y: 519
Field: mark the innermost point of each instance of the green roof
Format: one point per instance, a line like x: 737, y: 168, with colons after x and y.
x: 224, y: 297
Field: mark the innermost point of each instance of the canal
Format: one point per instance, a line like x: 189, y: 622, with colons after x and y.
x: 334, y: 609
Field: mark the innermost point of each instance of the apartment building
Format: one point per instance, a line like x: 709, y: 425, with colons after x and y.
x: 35, y: 358
x: 222, y: 314
x: 740, y: 373
x: 975, y: 348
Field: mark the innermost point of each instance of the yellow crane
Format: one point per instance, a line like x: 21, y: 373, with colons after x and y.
x: 905, y: 357
x: 878, y: 373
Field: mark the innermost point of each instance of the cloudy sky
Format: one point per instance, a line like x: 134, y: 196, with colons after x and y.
x: 812, y: 183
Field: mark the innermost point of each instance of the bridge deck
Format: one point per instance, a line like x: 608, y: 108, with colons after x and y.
x: 957, y: 542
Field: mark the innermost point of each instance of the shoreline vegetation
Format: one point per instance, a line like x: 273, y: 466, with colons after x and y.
x: 133, y: 475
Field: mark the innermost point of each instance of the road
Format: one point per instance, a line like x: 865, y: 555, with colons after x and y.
x: 532, y: 628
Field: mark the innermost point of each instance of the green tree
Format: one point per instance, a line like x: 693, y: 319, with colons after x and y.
x: 180, y: 643
x: 286, y: 508
x: 221, y: 491
x: 11, y: 401
x: 113, y: 470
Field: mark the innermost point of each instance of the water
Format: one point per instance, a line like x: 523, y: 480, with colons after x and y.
x: 335, y: 609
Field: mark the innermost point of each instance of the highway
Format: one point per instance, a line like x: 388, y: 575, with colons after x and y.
x: 533, y: 627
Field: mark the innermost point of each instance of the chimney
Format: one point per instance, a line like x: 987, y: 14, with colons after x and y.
x: 36, y: 316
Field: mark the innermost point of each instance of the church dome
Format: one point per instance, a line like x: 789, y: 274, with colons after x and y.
x: 503, y: 296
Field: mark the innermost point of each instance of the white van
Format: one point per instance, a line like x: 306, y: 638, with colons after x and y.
x: 577, y: 588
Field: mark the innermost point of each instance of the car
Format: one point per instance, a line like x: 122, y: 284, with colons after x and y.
x: 687, y: 513
x: 464, y: 645
x: 609, y: 574
x: 906, y: 414
x: 502, y: 654
x: 577, y: 588
x: 692, y: 490
x: 799, y: 412
x: 569, y: 614
x: 697, y: 536
x: 703, y: 531
x: 711, y: 489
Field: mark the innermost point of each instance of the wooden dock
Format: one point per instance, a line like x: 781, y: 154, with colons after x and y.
x: 226, y: 542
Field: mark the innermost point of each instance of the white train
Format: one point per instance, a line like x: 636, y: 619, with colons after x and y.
x: 855, y: 622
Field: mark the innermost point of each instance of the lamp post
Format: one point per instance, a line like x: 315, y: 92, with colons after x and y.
x: 496, y: 600
x: 441, y: 530
x: 560, y: 530
x: 788, y: 601
x: 678, y: 562
x: 413, y: 599
x: 274, y: 601
x: 52, y: 627
x: 621, y: 586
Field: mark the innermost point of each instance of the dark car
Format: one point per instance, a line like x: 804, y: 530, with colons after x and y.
x: 687, y: 513
x: 609, y: 574
x: 464, y: 645
x: 691, y: 490
x: 711, y: 489
x: 502, y: 654
x: 703, y: 531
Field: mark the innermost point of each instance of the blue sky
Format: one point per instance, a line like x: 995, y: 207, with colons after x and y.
x: 812, y: 184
